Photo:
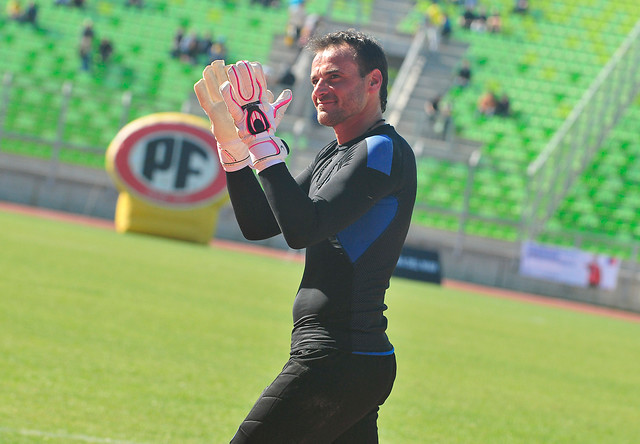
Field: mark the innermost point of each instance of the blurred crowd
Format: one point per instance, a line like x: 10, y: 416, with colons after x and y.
x: 190, y: 47
x: 28, y: 14
x: 187, y: 46
x: 91, y: 50
x: 470, y: 16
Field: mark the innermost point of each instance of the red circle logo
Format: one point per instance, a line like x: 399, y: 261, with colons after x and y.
x: 169, y: 161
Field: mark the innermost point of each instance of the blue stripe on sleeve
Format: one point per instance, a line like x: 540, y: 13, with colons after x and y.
x: 379, y: 153
x: 357, y: 237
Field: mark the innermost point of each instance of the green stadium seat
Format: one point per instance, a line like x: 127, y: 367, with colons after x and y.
x: 558, y: 52
x: 561, y: 52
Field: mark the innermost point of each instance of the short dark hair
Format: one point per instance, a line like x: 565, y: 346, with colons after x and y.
x: 369, y: 54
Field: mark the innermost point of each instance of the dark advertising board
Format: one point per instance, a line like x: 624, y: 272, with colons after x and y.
x: 421, y: 265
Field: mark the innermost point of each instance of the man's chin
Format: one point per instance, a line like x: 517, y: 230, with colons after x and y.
x: 324, y: 119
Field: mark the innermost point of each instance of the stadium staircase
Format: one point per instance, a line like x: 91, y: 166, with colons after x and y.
x: 41, y: 69
x: 544, y: 61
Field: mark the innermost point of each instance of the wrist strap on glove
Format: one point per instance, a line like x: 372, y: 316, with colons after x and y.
x: 233, y: 155
x: 267, y: 152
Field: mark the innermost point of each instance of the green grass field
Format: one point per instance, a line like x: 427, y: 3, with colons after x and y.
x: 109, y: 338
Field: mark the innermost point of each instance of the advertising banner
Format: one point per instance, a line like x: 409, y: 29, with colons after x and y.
x: 421, y: 265
x: 171, y: 184
x: 569, y: 266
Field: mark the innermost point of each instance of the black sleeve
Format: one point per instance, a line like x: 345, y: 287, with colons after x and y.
x: 350, y: 193
x: 250, y: 205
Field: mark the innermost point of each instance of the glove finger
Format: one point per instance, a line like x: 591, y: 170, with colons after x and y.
x: 243, y: 82
x: 204, y: 97
x: 212, y: 82
x: 235, y: 109
x: 281, y: 105
x: 269, y: 96
x: 220, y: 72
x: 261, y: 79
x: 222, y: 125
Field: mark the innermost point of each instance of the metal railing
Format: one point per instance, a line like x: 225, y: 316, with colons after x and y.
x: 57, y: 139
x: 572, y: 147
x: 619, y: 79
x: 407, y: 77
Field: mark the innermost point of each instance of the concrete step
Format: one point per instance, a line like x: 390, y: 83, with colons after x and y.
x: 435, y: 80
x: 387, y: 14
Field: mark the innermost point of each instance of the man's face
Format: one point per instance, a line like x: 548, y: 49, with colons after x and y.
x: 338, y: 89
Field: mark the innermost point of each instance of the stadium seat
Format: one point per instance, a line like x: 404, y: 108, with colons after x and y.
x: 559, y: 51
x: 544, y: 61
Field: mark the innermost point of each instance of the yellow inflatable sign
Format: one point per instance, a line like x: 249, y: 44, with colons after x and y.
x: 170, y: 180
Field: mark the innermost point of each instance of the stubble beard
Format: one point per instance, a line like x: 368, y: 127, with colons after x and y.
x: 329, y: 119
x: 345, y: 109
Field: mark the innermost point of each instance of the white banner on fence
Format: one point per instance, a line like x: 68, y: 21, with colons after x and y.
x: 569, y: 266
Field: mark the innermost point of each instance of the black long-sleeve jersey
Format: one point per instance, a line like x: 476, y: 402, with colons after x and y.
x: 351, y: 210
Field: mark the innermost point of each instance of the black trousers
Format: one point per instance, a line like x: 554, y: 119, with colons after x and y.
x: 326, y: 396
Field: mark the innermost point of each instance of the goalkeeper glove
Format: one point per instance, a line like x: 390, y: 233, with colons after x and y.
x: 233, y: 153
x: 247, y: 99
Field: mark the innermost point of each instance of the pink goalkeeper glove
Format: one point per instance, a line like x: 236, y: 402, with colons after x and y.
x: 247, y: 100
x: 233, y: 153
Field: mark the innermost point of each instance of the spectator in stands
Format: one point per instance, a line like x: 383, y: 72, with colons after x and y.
x: 288, y: 78
x: 189, y: 47
x: 218, y: 50
x: 494, y: 22
x: 85, y: 49
x: 521, y: 6
x: 487, y: 104
x: 434, y: 18
x: 479, y: 22
x: 503, y: 106
x: 14, y: 9
x: 297, y: 17
x: 205, y: 43
x: 311, y: 23
x: 446, y: 28
x: 87, y: 29
x: 439, y: 116
x: 468, y: 17
x: 432, y: 107
x: 283, y: 77
x: 31, y: 14
x: 463, y: 76
x: 105, y: 50
x: 443, y: 121
x: 177, y: 40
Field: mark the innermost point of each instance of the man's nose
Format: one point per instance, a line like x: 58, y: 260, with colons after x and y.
x: 319, y: 89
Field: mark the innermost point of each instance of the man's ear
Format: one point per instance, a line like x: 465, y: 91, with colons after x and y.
x: 375, y: 78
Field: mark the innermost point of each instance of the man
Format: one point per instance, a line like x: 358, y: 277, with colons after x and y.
x: 350, y: 209
x: 464, y: 74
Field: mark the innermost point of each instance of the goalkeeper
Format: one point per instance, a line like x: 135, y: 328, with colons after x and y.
x: 350, y: 209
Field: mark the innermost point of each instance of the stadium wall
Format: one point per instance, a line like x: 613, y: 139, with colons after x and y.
x: 57, y: 186
x: 496, y: 263
x: 490, y: 262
